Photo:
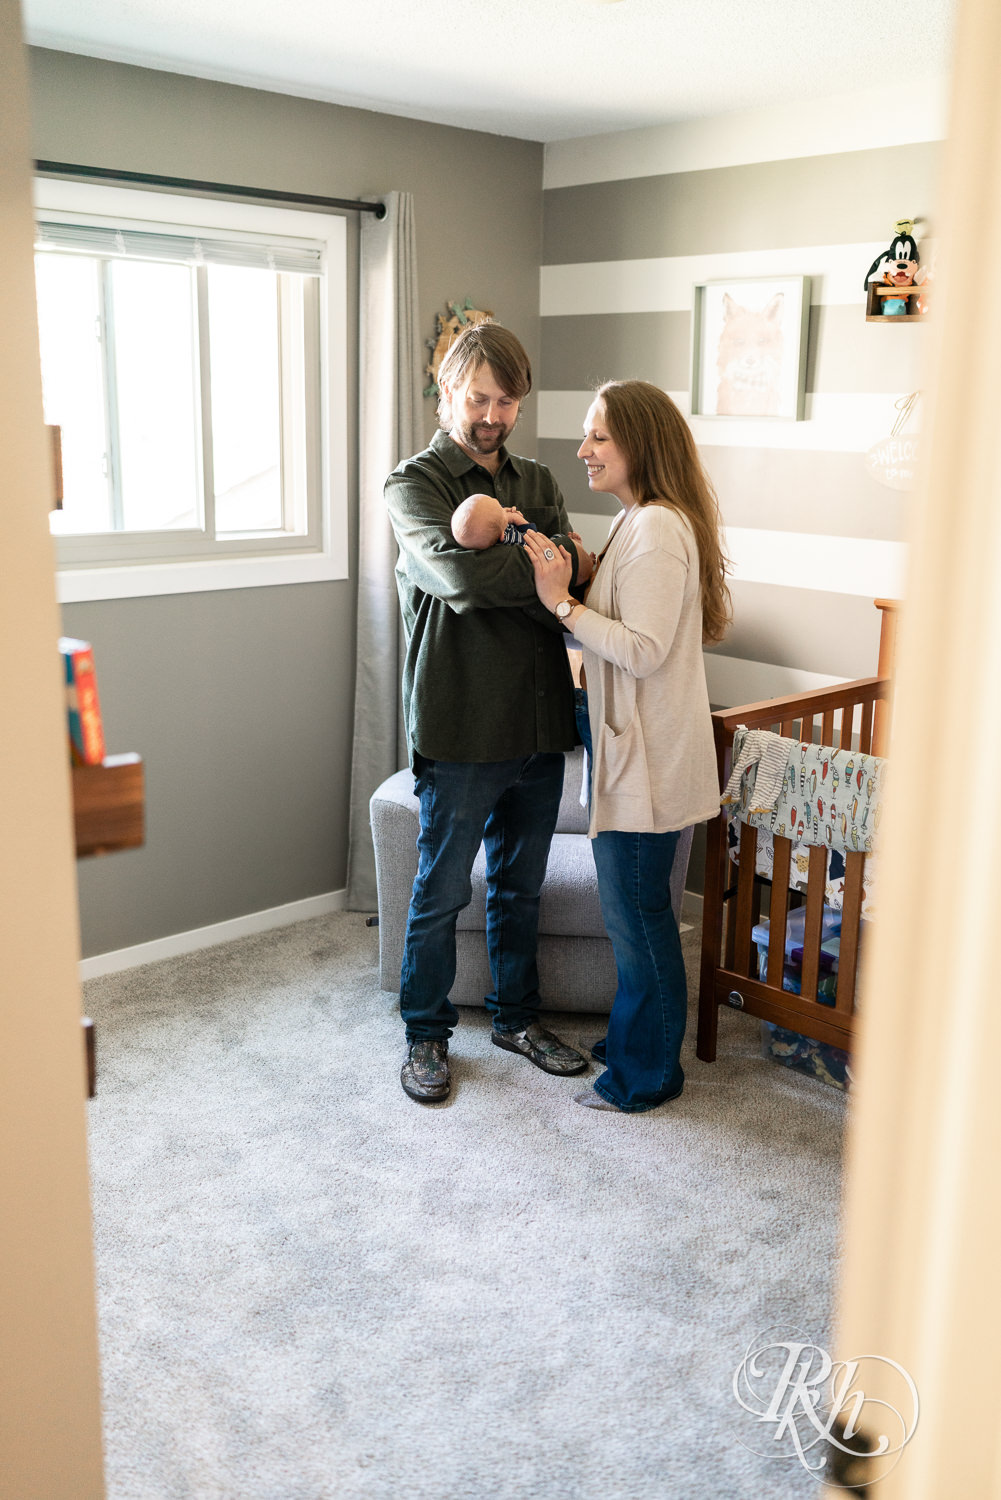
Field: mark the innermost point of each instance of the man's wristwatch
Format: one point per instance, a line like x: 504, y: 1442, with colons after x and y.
x: 564, y: 607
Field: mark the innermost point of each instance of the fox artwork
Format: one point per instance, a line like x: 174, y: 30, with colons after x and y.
x: 749, y: 359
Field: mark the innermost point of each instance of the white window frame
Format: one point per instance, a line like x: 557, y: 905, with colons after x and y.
x: 330, y: 560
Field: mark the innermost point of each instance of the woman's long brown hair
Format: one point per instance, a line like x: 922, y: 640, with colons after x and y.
x: 665, y: 467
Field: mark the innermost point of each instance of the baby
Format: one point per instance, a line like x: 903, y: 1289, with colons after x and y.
x: 481, y: 521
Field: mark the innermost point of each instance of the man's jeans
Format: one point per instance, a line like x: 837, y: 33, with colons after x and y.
x: 512, y: 806
x: 647, y: 1023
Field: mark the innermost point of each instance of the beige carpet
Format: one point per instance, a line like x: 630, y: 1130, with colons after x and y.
x: 311, y: 1287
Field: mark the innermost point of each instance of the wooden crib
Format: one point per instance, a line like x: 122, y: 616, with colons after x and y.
x: 852, y: 716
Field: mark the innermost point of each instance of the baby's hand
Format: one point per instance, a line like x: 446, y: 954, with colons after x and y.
x: 585, y: 560
x: 514, y: 514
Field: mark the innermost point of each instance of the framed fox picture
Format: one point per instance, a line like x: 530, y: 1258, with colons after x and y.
x: 749, y: 339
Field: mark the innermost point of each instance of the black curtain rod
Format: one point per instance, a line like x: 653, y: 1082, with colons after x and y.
x: 218, y: 189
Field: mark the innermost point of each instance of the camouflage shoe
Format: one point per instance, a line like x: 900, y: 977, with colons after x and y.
x: 541, y: 1047
x: 425, y: 1075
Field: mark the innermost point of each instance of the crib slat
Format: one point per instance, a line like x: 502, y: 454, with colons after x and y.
x: 847, y: 727
x: 827, y: 728
x: 786, y: 728
x: 851, y: 909
x: 729, y: 932
x: 865, y: 734
x: 755, y: 903
x: 777, y: 911
x: 745, y: 898
x: 815, y: 883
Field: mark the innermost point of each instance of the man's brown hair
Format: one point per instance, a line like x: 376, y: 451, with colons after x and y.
x: 489, y: 344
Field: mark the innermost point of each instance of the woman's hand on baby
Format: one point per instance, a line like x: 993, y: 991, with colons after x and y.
x: 552, y: 573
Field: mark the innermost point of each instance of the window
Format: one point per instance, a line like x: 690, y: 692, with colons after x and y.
x: 193, y: 356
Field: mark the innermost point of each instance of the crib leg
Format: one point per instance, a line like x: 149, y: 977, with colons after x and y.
x: 712, y: 938
x: 705, y: 1041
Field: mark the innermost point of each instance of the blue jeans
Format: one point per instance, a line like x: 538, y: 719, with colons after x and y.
x: 512, y: 806
x: 647, y: 1024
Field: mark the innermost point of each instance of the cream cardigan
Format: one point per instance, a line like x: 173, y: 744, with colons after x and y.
x: 654, y: 764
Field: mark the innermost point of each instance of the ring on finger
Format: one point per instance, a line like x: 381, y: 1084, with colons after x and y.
x: 549, y: 554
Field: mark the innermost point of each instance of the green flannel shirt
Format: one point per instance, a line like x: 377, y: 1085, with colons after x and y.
x: 486, y: 675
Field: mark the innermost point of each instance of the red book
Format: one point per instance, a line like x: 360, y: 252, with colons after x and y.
x: 86, y: 729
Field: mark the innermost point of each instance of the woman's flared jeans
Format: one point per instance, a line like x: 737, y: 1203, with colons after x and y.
x: 647, y: 1024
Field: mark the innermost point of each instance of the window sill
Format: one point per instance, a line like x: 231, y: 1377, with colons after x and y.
x: 87, y: 585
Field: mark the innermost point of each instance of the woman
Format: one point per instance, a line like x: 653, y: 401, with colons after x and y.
x: 658, y: 593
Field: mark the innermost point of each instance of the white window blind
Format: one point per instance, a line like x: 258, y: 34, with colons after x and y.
x: 180, y: 249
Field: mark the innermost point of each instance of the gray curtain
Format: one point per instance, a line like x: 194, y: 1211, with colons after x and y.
x: 390, y: 420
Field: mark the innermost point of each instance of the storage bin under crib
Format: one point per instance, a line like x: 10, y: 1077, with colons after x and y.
x: 819, y: 1060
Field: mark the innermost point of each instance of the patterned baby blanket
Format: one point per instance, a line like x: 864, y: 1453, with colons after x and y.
x: 811, y: 794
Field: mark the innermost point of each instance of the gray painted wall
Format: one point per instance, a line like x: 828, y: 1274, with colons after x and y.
x: 240, y: 701
x: 826, y: 215
x: 248, y: 808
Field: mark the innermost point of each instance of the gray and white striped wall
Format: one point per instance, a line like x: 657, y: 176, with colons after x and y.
x: 631, y: 222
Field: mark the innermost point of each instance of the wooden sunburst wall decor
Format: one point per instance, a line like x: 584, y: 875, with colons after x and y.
x: 447, y: 327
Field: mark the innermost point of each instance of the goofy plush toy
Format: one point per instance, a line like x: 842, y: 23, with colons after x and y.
x: 898, y: 265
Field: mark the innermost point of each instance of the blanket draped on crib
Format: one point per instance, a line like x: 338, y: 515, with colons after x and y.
x: 811, y: 794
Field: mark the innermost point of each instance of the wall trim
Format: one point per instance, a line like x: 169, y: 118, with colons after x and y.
x: 177, y: 943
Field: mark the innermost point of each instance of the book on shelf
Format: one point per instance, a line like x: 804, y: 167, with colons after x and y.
x: 86, y: 729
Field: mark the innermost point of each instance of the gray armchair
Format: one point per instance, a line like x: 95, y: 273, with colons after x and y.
x: 576, y: 967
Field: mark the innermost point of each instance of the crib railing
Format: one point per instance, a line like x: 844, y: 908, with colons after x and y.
x: 845, y: 717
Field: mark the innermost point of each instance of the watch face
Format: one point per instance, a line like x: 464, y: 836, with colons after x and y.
x: 563, y: 609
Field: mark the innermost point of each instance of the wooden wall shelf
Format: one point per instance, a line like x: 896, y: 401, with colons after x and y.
x: 108, y: 814
x: 109, y: 805
x: 873, y: 306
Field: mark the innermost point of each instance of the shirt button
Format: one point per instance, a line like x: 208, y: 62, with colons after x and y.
x: 542, y: 692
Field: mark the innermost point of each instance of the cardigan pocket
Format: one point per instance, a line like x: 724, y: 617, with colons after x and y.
x: 625, y: 779
x: 621, y: 751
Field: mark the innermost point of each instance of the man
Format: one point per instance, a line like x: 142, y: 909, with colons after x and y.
x: 488, y: 705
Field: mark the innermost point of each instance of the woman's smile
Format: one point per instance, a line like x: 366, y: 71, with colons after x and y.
x: 610, y: 475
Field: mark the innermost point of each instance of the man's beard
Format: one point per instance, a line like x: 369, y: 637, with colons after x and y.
x: 478, y: 437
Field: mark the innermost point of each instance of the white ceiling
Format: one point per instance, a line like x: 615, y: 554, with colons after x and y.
x: 539, y: 69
